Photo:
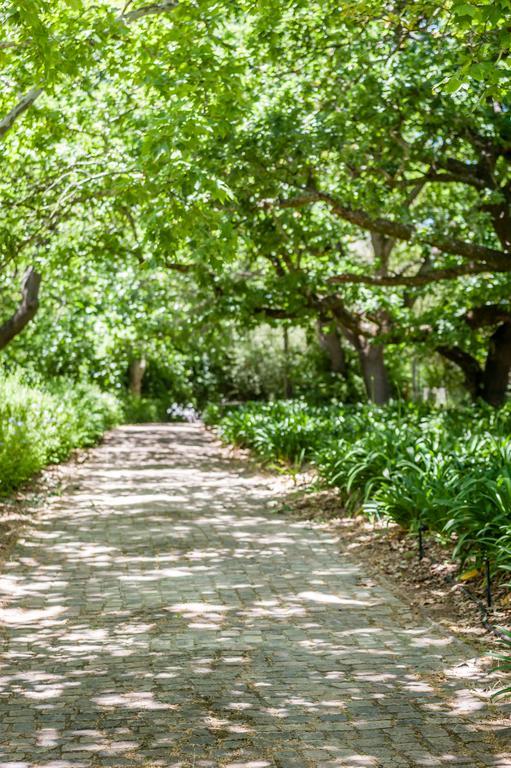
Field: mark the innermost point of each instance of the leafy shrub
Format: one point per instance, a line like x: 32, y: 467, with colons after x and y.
x: 141, y: 410
x: 504, y: 660
x: 283, y: 430
x: 41, y: 426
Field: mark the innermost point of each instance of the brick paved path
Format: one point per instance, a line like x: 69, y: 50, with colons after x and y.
x: 160, y: 614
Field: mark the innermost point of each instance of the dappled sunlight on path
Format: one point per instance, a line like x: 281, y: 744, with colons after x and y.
x: 160, y: 614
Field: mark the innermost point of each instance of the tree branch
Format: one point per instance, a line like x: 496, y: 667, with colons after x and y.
x: 23, y: 104
x: 148, y: 10
x: 421, y: 278
x: 472, y: 371
x: 499, y: 260
x: 178, y: 267
x: 489, y: 314
x: 452, y: 170
x: 26, y: 310
x: 276, y: 313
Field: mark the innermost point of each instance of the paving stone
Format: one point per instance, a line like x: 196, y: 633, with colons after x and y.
x: 158, y: 613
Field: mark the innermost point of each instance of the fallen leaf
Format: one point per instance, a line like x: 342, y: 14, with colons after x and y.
x: 471, y: 574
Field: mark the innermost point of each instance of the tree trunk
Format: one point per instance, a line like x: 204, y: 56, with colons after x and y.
x: 490, y: 383
x: 136, y: 374
x: 497, y: 366
x: 330, y: 341
x: 376, y: 378
x: 26, y: 310
x: 288, y: 390
x: 472, y: 371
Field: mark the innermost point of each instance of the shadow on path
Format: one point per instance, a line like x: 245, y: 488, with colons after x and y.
x: 159, y: 614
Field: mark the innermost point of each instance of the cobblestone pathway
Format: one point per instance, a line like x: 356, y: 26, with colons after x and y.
x: 160, y: 614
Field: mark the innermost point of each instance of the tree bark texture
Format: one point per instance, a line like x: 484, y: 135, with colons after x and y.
x: 26, y: 310
x: 136, y: 374
x: 376, y: 378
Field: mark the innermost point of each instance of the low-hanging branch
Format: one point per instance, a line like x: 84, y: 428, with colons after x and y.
x: 417, y: 280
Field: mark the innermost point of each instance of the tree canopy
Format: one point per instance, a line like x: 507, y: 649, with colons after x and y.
x: 174, y: 171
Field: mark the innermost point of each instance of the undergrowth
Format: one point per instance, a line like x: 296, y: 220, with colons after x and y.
x: 42, y: 422
x: 42, y: 425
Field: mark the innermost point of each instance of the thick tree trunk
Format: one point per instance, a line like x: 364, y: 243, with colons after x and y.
x: 376, y: 378
x: 490, y: 383
x: 472, y: 371
x: 497, y: 366
x: 330, y: 341
x: 136, y: 375
x: 371, y: 355
x: 26, y: 310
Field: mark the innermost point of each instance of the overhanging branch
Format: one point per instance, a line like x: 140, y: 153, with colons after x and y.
x: 491, y: 257
x: 417, y: 280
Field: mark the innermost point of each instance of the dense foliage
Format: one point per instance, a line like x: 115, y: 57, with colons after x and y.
x: 40, y: 425
x: 177, y: 173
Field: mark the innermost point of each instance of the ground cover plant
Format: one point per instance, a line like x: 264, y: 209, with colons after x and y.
x: 434, y: 472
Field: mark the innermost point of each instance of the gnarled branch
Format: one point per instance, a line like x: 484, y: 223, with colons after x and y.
x: 491, y: 257
x: 26, y: 310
